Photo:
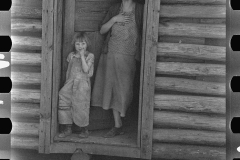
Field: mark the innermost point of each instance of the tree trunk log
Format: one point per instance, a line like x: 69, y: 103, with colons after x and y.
x: 26, y: 25
x: 193, y: 30
x: 20, y: 58
x: 197, y: 104
x: 192, y: 137
x: 190, y: 69
x: 26, y: 78
x: 25, y: 129
x: 25, y: 95
x: 24, y: 142
x: 202, y: 52
x: 193, y: 11
x: 24, y: 110
x: 190, y: 86
x: 26, y: 43
x: 187, y: 152
x: 189, y: 121
x: 193, y: 1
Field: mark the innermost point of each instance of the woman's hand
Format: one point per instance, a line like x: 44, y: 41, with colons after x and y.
x: 121, y: 18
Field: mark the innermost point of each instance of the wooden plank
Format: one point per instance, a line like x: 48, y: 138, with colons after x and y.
x: 144, y: 29
x: 46, y: 75
x: 26, y: 43
x: 26, y: 12
x: 194, y: 1
x: 96, y: 137
x: 24, y: 58
x: 68, y: 32
x: 190, y: 86
x: 179, y: 120
x: 193, y: 11
x: 58, y: 13
x: 188, y: 152
x: 182, y: 40
x: 149, y: 77
x: 25, y: 95
x: 89, y: 14
x: 26, y: 78
x: 25, y: 129
x: 192, y: 137
x: 193, y: 51
x: 193, y: 30
x: 97, y: 149
x: 24, y: 142
x: 198, y: 104
x: 190, y: 69
x: 24, y: 111
x: 30, y: 26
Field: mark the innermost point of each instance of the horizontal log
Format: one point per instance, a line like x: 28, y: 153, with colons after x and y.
x: 190, y: 69
x: 198, y: 104
x: 178, y: 60
x: 25, y: 95
x: 190, y: 86
x: 25, y: 129
x: 193, y: 30
x: 25, y: 3
x: 193, y: 2
x: 26, y: 12
x: 21, y: 58
x: 192, y: 20
x: 26, y: 43
x: 19, y: 26
x: 188, y: 121
x: 203, y: 52
x: 208, y: 138
x: 25, y: 110
x: 187, y: 152
x: 182, y: 39
x: 24, y: 142
x: 25, y: 78
x: 193, y: 11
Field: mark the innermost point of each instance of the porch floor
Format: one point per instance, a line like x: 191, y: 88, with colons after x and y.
x: 129, y: 138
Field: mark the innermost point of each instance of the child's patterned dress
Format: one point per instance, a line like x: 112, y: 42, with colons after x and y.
x: 74, y: 97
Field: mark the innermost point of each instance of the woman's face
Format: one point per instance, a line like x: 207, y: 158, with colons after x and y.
x: 80, y: 46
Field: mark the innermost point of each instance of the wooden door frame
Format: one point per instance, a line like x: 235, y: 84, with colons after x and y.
x: 52, y: 48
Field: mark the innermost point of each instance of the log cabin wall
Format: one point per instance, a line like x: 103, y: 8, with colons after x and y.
x: 26, y: 25
x: 189, y: 113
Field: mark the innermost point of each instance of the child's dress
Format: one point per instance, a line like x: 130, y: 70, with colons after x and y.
x: 74, y: 97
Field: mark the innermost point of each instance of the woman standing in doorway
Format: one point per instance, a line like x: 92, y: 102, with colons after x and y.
x: 113, y: 88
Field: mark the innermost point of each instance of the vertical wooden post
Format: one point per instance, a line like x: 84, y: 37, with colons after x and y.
x: 149, y: 77
x: 46, y: 74
x: 69, y: 20
x: 142, y: 72
x: 58, y: 13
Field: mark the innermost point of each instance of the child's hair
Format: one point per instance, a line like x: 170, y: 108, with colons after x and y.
x: 80, y: 37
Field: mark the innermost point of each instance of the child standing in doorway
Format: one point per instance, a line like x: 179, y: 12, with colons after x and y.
x: 74, y: 97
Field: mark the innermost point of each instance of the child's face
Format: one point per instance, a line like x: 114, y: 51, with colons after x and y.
x: 80, y: 46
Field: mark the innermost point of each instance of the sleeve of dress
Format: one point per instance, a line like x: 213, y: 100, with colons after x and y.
x: 69, y: 57
x: 90, y: 62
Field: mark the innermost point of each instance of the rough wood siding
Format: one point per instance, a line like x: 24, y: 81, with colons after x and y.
x: 26, y: 25
x: 189, y: 116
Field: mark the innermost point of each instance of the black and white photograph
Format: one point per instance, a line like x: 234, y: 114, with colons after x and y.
x: 119, y: 79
